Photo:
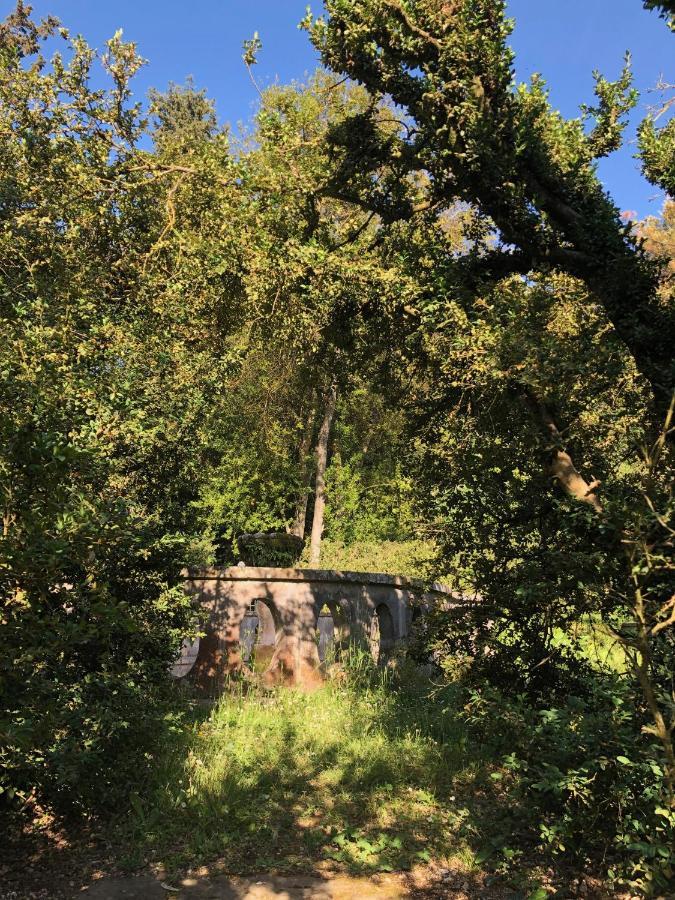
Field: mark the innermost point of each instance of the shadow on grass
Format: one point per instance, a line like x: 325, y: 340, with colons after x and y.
x: 366, y: 777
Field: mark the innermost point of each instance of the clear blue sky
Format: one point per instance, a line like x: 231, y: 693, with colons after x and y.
x: 563, y: 39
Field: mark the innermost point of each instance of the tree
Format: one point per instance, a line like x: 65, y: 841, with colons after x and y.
x: 182, y: 114
x: 665, y: 8
x: 657, y: 234
x: 657, y: 149
x: 312, y: 278
x: 657, y: 144
x: 321, y: 465
x: 483, y: 141
x: 106, y: 383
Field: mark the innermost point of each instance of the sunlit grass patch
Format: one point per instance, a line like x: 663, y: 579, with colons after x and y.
x: 345, y: 776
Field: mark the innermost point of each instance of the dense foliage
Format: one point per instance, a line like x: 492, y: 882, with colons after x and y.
x: 102, y: 404
x: 403, y: 315
x: 665, y: 8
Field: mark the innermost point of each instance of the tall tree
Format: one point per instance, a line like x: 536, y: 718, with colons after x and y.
x: 182, y: 115
x: 321, y: 464
x: 477, y: 137
x: 311, y: 276
x: 106, y: 385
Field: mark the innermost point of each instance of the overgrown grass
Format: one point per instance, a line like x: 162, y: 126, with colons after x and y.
x: 378, y: 771
x: 415, y: 558
x: 351, y: 774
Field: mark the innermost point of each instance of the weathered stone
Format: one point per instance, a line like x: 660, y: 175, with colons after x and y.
x: 369, y: 610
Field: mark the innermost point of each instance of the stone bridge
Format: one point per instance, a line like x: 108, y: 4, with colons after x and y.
x: 288, y: 623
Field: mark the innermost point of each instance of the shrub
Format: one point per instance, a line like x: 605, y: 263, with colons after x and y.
x: 568, y: 785
x: 100, y: 407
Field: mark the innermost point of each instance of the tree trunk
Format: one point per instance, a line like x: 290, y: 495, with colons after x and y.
x: 300, y: 520
x: 320, y: 490
x: 560, y: 464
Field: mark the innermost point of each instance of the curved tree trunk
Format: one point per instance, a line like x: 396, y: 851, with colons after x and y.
x: 560, y: 464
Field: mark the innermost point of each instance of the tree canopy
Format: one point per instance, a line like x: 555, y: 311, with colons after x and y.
x: 483, y: 140
x: 397, y: 312
x: 665, y: 8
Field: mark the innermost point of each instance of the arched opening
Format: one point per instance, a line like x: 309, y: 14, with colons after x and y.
x: 186, y: 658
x: 257, y: 636
x: 325, y: 632
x: 333, y: 629
x: 382, y: 637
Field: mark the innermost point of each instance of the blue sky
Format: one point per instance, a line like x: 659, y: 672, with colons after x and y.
x: 563, y: 39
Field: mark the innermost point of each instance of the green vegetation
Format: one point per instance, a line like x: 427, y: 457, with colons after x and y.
x: 349, y: 773
x: 416, y: 559
x: 666, y: 9
x: 376, y: 772
x: 400, y: 318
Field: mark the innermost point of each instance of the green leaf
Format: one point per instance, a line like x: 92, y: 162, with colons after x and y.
x: 538, y: 894
x: 137, y: 805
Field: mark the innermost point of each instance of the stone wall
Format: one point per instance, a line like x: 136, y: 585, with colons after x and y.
x: 369, y: 610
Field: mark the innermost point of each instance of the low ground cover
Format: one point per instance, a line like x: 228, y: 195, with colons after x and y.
x: 348, y: 775
x: 380, y: 771
x: 383, y: 770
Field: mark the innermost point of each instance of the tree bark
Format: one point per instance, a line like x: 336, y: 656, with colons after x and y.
x: 560, y: 464
x: 300, y: 520
x: 320, y: 489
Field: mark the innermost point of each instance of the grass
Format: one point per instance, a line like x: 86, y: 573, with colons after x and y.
x: 376, y: 771
x: 373, y: 772
x: 354, y: 775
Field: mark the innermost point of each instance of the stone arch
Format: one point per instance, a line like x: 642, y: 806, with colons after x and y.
x: 259, y: 632
x: 295, y: 598
x: 382, y: 634
x: 186, y: 658
x: 333, y: 626
x: 416, y: 616
x: 325, y: 633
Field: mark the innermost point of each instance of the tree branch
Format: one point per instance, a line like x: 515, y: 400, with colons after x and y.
x: 560, y: 465
x: 414, y: 29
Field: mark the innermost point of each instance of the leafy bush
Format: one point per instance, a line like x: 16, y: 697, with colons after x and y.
x: 85, y: 707
x: 411, y: 558
x: 101, y: 401
x: 567, y: 785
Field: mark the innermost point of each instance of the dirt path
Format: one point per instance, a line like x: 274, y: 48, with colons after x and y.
x: 48, y: 864
x: 423, y: 883
x: 263, y: 887
x: 272, y: 887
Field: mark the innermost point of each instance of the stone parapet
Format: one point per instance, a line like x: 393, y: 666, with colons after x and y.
x: 336, y: 576
x: 277, y: 612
